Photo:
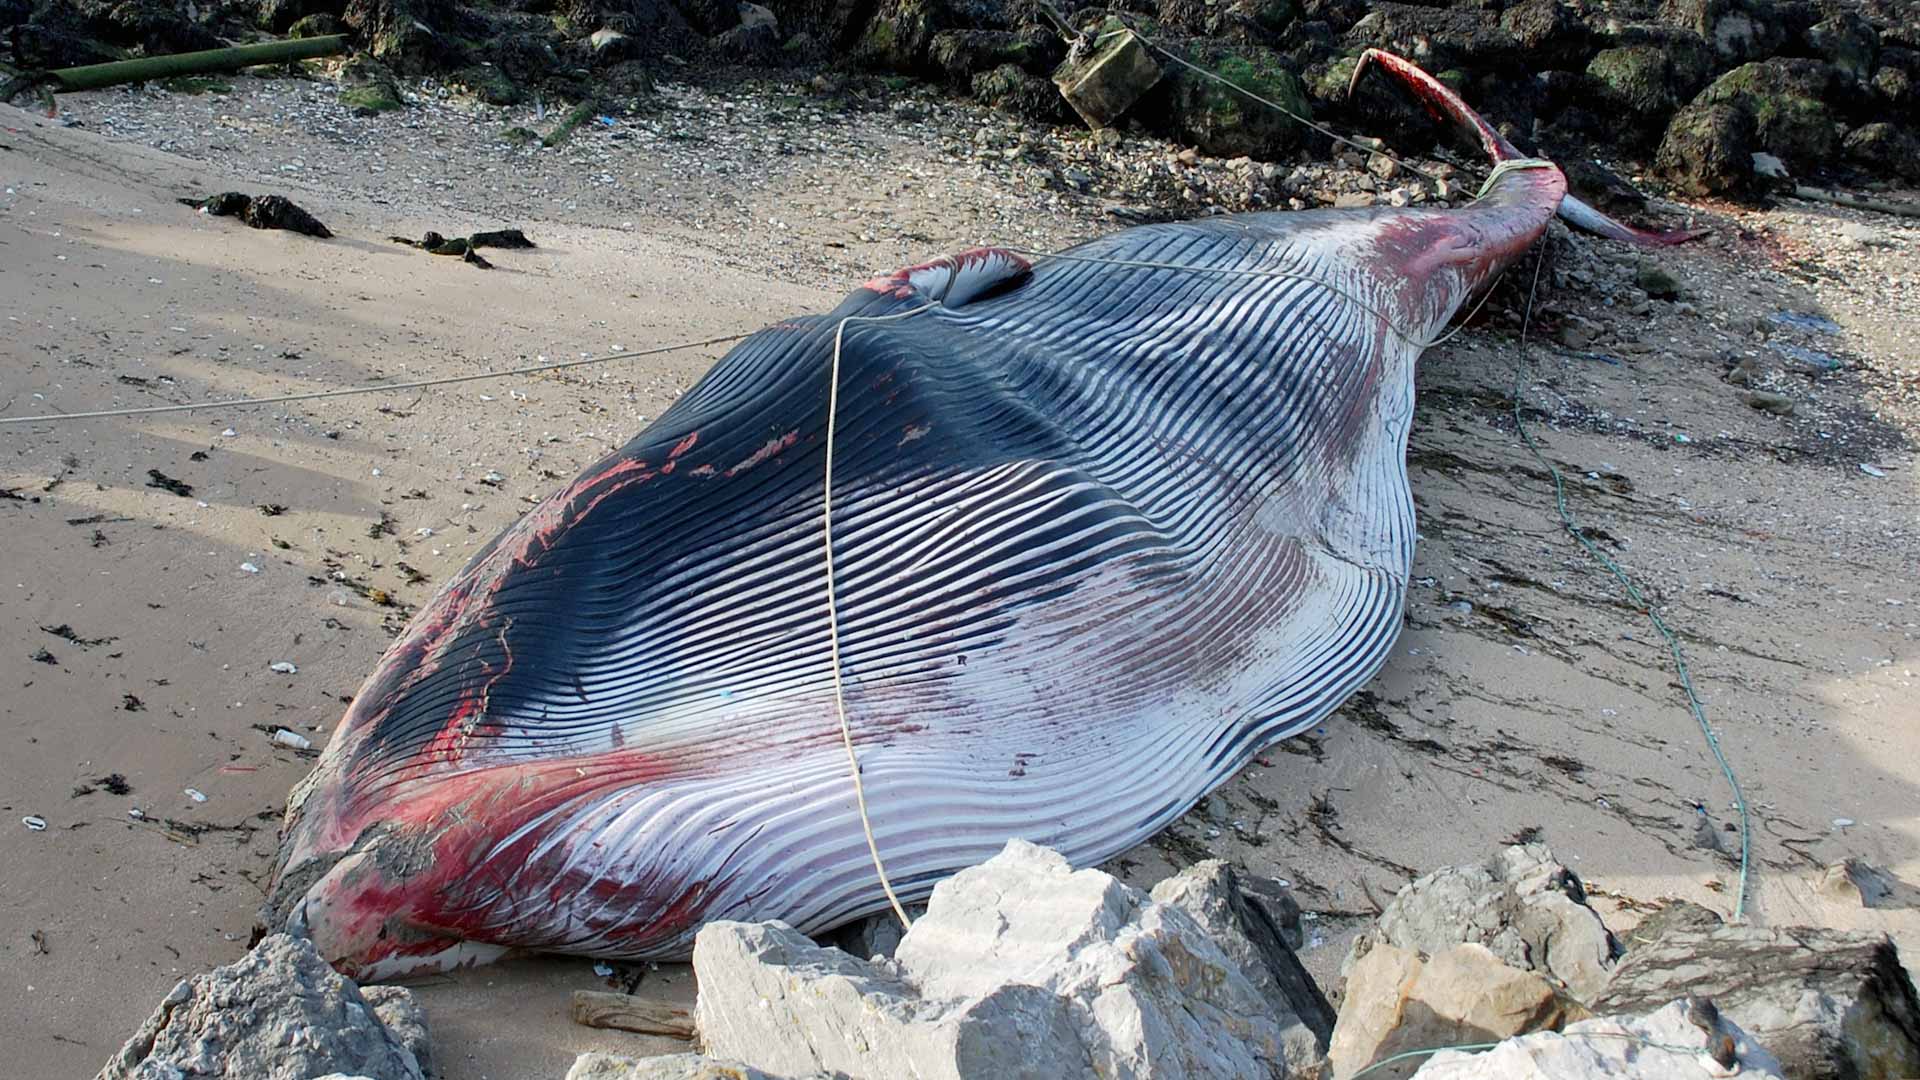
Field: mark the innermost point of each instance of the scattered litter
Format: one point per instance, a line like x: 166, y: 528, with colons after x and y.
x: 136, y: 814
x: 228, y: 433
x: 283, y: 667
x: 1842, y: 822
x: 293, y: 739
x: 1811, y: 358
x: 602, y: 968
x: 196, y: 794
x: 261, y: 212
x: 249, y: 568
x: 1872, y: 470
x: 34, y: 822
x: 1680, y: 438
x: 1802, y: 320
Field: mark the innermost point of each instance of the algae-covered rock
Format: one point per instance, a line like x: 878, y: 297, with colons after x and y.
x: 1884, y: 149
x: 1223, y: 122
x: 281, y: 15
x: 367, y: 87
x: 1737, y: 30
x: 1787, y: 99
x: 900, y: 32
x: 316, y: 26
x: 963, y: 54
x: 1021, y: 93
x: 1646, y: 83
x: 1708, y: 150
x: 1848, y: 42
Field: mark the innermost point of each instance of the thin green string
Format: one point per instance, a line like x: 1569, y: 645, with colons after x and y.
x: 1632, y: 590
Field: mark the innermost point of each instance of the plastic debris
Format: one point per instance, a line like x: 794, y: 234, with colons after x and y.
x: 1842, y: 822
x: 34, y: 822
x: 1802, y: 320
x: 602, y: 968
x: 283, y: 667
x: 1872, y: 470
x: 249, y: 568
x: 293, y: 739
x: 196, y: 794
x: 1811, y: 358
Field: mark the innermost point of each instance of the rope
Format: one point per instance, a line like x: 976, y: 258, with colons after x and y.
x: 1074, y: 37
x: 833, y: 609
x: 315, y: 395
x: 1572, y: 526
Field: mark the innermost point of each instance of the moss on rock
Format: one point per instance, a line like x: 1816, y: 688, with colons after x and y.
x: 1787, y: 99
x: 1223, y: 122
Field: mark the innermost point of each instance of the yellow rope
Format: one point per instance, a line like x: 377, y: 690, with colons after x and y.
x: 833, y: 608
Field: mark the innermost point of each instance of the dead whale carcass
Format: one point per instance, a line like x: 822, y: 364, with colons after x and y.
x: 1104, y: 528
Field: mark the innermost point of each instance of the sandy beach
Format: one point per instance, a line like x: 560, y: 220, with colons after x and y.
x: 160, y: 575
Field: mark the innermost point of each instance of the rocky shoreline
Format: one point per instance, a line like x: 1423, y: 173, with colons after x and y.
x: 1687, y: 89
x: 1024, y: 967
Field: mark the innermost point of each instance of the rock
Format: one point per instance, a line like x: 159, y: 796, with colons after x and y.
x: 367, y: 88
x: 1787, y: 99
x: 1885, y: 149
x: 280, y: 15
x: 1708, y: 150
x: 1021, y: 967
x: 1769, y: 401
x: 1578, y: 333
x: 876, y: 935
x: 1245, y: 929
x: 405, y: 1020
x: 1849, y: 43
x: 1108, y: 80
x: 1397, y: 1001
x: 1525, y: 906
x: 1830, y: 1004
x: 1222, y: 121
x: 597, y: 1066
x: 900, y: 32
x: 411, y: 36
x: 1614, y: 1048
x: 278, y: 1013
x: 1684, y: 915
x: 1436, y: 38
x: 962, y: 54
x: 1646, y: 83
x: 316, y: 26
x: 1656, y: 282
x: 1868, y: 885
x: 1737, y: 30
x: 1010, y: 89
x: 1897, y: 80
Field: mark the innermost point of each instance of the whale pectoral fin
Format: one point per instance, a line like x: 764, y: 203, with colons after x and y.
x: 953, y: 280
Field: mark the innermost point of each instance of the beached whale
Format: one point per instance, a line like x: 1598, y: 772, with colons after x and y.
x: 1105, y: 525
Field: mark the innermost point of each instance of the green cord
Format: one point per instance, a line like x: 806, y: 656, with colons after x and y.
x: 1634, y: 595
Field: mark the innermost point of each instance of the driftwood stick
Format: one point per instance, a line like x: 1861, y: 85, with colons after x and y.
x: 146, y: 69
x: 625, y: 1012
x: 1857, y: 202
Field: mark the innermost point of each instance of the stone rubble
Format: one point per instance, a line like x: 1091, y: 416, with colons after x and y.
x: 1611, y: 1048
x: 1526, y: 907
x: 1021, y: 967
x: 277, y: 1013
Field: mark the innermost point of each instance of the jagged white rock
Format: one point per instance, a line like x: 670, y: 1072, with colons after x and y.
x: 1524, y: 905
x: 1021, y: 967
x: 1663, y: 1045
